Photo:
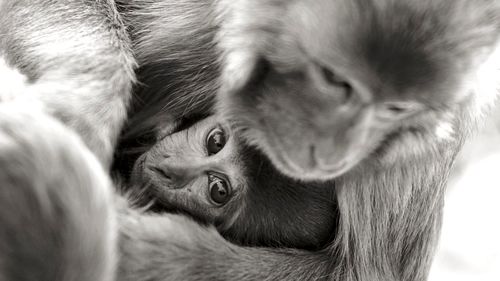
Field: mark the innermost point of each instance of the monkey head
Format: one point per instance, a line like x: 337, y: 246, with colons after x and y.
x: 207, y: 172
x: 322, y: 85
x: 193, y: 169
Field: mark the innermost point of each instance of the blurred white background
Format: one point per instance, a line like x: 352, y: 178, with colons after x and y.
x: 470, y: 240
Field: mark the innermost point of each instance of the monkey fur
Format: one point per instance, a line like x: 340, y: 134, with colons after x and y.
x: 389, y: 184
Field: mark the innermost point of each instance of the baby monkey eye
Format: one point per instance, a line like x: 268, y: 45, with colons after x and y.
x: 216, y: 140
x: 219, y: 189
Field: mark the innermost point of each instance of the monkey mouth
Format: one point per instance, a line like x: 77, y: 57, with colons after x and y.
x: 310, y: 169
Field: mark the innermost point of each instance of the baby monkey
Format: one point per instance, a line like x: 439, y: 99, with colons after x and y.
x: 210, y: 174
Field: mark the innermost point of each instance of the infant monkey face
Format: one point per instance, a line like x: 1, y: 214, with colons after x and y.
x: 196, y: 169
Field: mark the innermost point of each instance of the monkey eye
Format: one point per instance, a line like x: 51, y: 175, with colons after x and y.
x: 399, y: 110
x: 219, y: 189
x: 216, y: 140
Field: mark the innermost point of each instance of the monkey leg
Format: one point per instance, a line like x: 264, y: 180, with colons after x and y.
x: 56, y: 219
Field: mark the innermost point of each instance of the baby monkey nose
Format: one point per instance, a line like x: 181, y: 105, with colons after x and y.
x: 176, y: 174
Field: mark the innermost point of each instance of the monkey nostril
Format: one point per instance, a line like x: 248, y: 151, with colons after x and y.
x: 339, y: 83
x: 312, y: 157
x: 348, y: 93
x: 173, y: 176
x: 163, y: 173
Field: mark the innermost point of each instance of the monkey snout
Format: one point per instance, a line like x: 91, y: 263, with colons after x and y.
x: 176, y: 175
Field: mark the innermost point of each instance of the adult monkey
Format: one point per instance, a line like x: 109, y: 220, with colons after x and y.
x: 389, y: 216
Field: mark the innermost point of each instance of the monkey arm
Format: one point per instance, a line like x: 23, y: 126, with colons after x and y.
x: 78, y: 54
x: 171, y: 247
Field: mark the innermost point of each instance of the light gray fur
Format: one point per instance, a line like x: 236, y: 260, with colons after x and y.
x: 81, y: 52
x: 56, y: 218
